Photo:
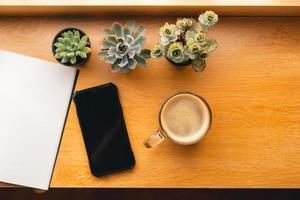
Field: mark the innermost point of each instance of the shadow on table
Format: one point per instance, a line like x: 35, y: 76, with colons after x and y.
x: 145, y: 194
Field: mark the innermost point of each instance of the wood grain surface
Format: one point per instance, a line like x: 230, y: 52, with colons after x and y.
x: 150, y: 10
x: 149, y: 2
x: 252, y: 83
x: 149, y: 7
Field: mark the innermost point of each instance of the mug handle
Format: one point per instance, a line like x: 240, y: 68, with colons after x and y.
x: 154, y: 139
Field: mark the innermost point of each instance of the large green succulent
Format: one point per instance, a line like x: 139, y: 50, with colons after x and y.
x: 122, y: 47
x: 72, y: 46
x: 186, y: 41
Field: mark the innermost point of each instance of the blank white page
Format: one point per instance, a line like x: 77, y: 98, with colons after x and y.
x: 34, y: 100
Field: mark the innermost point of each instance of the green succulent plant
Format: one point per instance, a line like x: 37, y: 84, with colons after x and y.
x: 71, y: 47
x: 176, y: 53
x: 158, y: 51
x: 186, y: 42
x: 183, y: 24
x: 168, y: 33
x: 193, y: 49
x: 208, y: 19
x: 122, y: 47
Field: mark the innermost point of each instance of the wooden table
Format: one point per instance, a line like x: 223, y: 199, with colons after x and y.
x: 252, y: 83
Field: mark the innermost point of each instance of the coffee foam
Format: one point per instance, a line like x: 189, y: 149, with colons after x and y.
x: 185, y: 118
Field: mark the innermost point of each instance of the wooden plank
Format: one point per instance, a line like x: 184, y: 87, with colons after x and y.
x: 251, y: 82
x: 142, y: 7
x: 151, y: 2
x: 148, y: 10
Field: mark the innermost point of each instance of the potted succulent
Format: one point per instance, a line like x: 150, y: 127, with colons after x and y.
x: 122, y: 47
x: 71, y: 47
x: 185, y: 43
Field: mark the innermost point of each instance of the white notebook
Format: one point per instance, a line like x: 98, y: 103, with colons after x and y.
x: 34, y: 101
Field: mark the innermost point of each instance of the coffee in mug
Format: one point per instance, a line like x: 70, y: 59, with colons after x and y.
x: 184, y: 118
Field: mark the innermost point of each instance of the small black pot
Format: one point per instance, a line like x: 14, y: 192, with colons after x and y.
x: 184, y: 64
x: 80, y: 61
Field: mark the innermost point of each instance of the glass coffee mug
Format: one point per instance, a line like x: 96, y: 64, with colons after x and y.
x: 184, y: 118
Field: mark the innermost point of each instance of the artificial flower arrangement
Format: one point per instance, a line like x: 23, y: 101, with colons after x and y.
x: 122, y: 47
x: 71, y: 47
x: 185, y: 43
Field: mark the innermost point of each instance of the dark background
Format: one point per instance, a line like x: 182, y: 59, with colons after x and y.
x: 145, y: 194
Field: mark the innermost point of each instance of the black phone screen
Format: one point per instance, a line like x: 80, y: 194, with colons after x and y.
x: 103, y: 128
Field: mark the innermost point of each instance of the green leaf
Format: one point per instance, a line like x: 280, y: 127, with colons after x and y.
x: 196, y: 26
x: 57, y: 50
x: 73, y: 60
x: 63, y: 54
x: 139, y: 41
x: 124, y: 69
x: 112, y: 38
x: 132, y: 63
x: 130, y: 53
x: 77, y: 39
x: 129, y: 39
x: 70, y: 35
x: 57, y: 44
x: 190, y: 35
x: 70, y: 54
x: 107, y: 44
x: 139, y: 32
x: 112, y: 51
x: 60, y: 39
x: 117, y: 29
x: 76, y: 34
x: 58, y: 56
x: 60, y: 49
x: 126, y: 31
x: 204, y: 28
x: 107, y: 32
x: 124, y: 61
x: 65, y: 59
x: 198, y: 65
x: 146, y: 53
x: 131, y: 26
x: 82, y: 55
x: 103, y: 54
x: 111, y: 59
x: 136, y: 48
x: 86, y: 50
x: 82, y: 44
x: 67, y: 41
x: 60, y: 45
x: 140, y: 60
x: 65, y: 34
x: 84, y: 39
x: 115, y: 67
x: 70, y: 48
x: 211, y: 45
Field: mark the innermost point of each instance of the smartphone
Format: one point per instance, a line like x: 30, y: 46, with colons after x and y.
x: 103, y: 129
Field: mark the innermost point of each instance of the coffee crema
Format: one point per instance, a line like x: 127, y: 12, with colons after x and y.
x: 185, y: 118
